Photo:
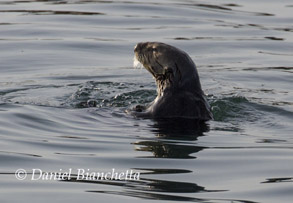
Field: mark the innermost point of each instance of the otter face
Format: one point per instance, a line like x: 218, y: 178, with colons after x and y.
x: 158, y: 58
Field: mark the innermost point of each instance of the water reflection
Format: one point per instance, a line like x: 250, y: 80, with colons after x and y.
x: 51, y: 12
x: 161, y: 149
x: 153, y: 196
x: 172, y: 138
x: 278, y: 180
x: 180, y: 128
x: 151, y: 185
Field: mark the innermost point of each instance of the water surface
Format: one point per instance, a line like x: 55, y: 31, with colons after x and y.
x: 66, y: 78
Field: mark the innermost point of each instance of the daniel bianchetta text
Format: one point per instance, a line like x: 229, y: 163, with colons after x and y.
x: 77, y: 174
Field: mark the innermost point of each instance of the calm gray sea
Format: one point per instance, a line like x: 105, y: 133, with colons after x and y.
x: 58, y: 56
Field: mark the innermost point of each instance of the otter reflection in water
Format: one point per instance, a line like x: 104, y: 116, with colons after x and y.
x: 174, y: 138
x: 178, y: 86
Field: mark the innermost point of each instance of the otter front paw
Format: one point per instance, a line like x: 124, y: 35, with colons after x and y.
x: 139, y: 108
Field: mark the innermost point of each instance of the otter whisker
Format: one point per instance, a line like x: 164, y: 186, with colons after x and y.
x: 136, y: 62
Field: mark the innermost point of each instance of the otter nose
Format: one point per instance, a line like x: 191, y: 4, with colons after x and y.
x: 136, y: 47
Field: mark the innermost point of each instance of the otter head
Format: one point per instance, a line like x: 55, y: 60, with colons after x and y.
x: 171, y: 67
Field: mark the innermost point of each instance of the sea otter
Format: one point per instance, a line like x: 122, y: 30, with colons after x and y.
x: 178, y: 86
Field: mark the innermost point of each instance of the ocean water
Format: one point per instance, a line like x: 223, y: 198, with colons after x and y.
x: 66, y: 78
